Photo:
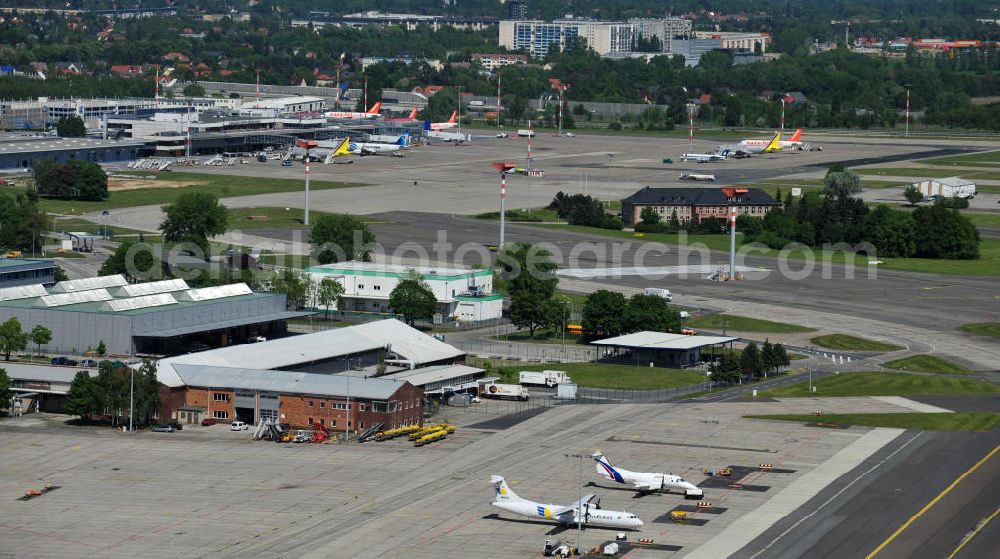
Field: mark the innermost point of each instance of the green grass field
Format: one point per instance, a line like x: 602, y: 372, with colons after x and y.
x: 961, y: 421
x: 744, y: 324
x: 987, y: 265
x: 277, y: 218
x: 885, y: 384
x: 927, y: 364
x: 991, y: 329
x: 988, y: 158
x: 843, y: 342
x: 928, y: 172
x: 617, y: 377
x: 76, y: 224
x: 222, y: 186
x: 983, y: 219
x: 536, y: 215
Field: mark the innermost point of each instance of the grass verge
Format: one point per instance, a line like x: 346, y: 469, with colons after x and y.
x: 960, y: 421
x: 885, y: 384
x: 927, y: 364
x: 928, y: 172
x: 222, y: 186
x: 843, y: 342
x: 991, y: 329
x: 615, y: 377
x: 744, y: 324
x: 987, y: 157
x: 522, y: 215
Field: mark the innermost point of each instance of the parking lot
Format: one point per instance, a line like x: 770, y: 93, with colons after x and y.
x: 205, y: 492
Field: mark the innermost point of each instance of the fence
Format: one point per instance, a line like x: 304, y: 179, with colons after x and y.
x: 531, y: 353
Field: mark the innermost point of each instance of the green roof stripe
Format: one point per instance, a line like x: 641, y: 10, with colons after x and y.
x: 385, y: 274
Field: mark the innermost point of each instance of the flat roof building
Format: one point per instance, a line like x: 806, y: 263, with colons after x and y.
x: 462, y: 295
x: 23, y: 153
x: 535, y: 37
x: 696, y: 203
x: 26, y: 271
x: 661, y: 349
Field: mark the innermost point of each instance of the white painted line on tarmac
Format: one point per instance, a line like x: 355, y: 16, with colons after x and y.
x: 912, y: 404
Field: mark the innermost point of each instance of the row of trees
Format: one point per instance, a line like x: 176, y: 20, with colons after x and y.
x: 24, y: 224
x: 607, y: 314
x: 106, y: 396
x: 752, y: 362
x: 582, y: 209
x: 76, y: 180
x: 14, y: 339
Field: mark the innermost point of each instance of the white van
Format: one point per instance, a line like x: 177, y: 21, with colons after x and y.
x: 238, y: 426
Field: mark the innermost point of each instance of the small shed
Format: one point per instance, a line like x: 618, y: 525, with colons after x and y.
x: 949, y: 187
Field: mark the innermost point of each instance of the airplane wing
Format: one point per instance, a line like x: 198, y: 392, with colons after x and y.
x: 579, y: 504
x: 644, y: 486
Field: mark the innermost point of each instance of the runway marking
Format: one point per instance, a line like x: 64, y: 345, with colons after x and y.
x: 969, y: 537
x: 835, y: 495
x: 933, y: 502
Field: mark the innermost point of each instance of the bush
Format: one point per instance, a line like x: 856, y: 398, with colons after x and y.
x: 653, y: 228
x: 954, y: 203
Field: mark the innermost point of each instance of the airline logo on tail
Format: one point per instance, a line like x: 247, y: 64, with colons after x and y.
x: 604, y: 468
x: 404, y: 138
x: 454, y: 115
x: 375, y: 108
x: 413, y: 114
x: 797, y: 136
x: 503, y: 491
x: 774, y: 144
x: 344, y: 148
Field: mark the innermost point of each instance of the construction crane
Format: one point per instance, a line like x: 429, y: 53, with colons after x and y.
x: 847, y: 29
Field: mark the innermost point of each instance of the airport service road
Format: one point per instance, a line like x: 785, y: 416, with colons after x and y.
x: 209, y: 492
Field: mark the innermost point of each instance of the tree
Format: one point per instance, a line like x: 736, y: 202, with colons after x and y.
x: 530, y: 308
x: 751, y: 363
x: 768, y: 359
x: 328, y: 294
x: 5, y: 392
x: 781, y: 358
x: 147, y: 392
x: 531, y: 282
x: 726, y: 370
x: 90, y: 180
x: 193, y: 218
x: 80, y: 180
x: 340, y: 238
x: 40, y: 336
x: 602, y: 315
x: 650, y: 312
x: 112, y: 391
x: 194, y: 90
x: 913, y: 195
x: 101, y: 348
x: 71, y: 127
x: 60, y: 274
x: 649, y: 216
x: 944, y: 233
x: 295, y: 285
x: 132, y: 259
x: 81, y: 399
x: 12, y: 338
x: 413, y: 299
x: 841, y: 184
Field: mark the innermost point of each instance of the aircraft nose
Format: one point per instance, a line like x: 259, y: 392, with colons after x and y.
x: 638, y: 523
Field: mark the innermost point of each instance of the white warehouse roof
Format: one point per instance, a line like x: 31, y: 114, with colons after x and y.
x: 664, y: 340
x: 288, y: 382
x: 408, y: 343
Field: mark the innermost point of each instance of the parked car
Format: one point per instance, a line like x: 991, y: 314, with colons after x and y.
x: 65, y: 361
x: 88, y: 363
x: 287, y: 163
x: 164, y: 429
x: 238, y: 426
x: 176, y: 425
x: 208, y: 422
x: 501, y: 134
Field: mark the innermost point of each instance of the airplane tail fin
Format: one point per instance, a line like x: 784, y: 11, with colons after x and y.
x: 344, y: 148
x: 605, y: 468
x: 404, y: 138
x: 413, y: 114
x: 375, y: 108
x: 503, y: 491
x: 454, y: 115
x: 427, y: 125
x: 797, y: 136
x: 773, y: 145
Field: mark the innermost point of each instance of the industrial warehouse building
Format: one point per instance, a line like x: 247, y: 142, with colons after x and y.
x: 40, y: 387
x: 23, y: 153
x: 159, y: 317
x: 696, y: 203
x: 330, y: 377
x: 949, y: 187
x: 660, y: 349
x: 26, y: 271
x: 462, y: 295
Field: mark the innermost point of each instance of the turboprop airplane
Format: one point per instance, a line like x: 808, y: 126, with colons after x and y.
x: 592, y: 513
x: 795, y: 141
x: 702, y: 157
x: 438, y: 126
x: 646, y: 483
x: 351, y: 115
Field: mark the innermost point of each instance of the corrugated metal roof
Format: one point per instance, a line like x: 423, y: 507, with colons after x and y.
x: 44, y: 373
x: 87, y: 284
x: 663, y: 340
x: 221, y: 324
x: 22, y: 292
x: 73, y: 298
x: 149, y: 288
x: 436, y: 373
x: 287, y: 382
x: 406, y: 342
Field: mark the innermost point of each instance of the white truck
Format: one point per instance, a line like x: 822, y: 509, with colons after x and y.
x: 544, y: 378
x: 659, y: 292
x: 505, y: 391
x: 524, y: 133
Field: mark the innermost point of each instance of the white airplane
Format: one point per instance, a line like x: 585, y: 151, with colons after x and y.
x: 375, y: 148
x: 391, y: 138
x: 702, y: 157
x: 644, y: 482
x: 351, y: 115
x: 449, y: 136
x: 762, y: 146
x: 438, y: 126
x: 696, y: 177
x: 592, y: 513
x: 793, y: 142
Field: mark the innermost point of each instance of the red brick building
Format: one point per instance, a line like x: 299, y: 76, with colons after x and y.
x: 299, y: 399
x: 696, y: 203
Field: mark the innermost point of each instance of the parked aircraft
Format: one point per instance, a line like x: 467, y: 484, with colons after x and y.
x: 795, y: 141
x: 702, y: 157
x: 375, y: 148
x: 586, y: 509
x: 351, y: 115
x: 409, y: 118
x: 438, y: 126
x: 761, y: 146
x: 646, y: 482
